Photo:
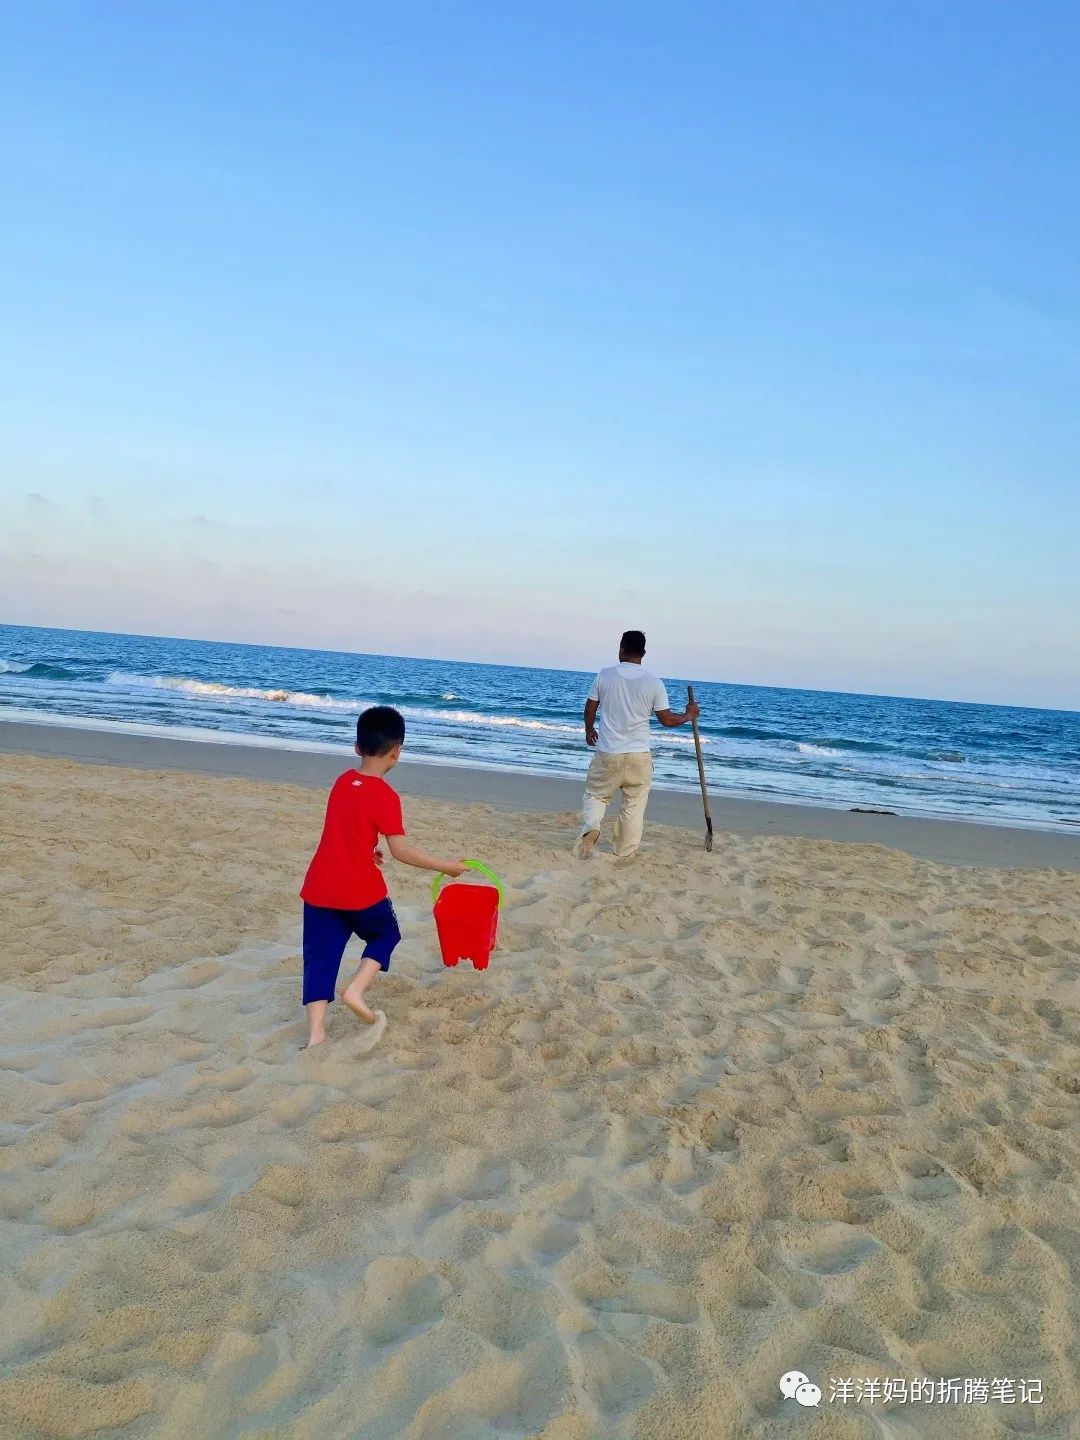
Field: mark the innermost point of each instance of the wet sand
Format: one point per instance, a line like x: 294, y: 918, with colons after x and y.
x: 951, y: 841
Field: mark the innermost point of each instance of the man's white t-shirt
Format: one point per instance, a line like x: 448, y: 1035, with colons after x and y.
x: 629, y: 696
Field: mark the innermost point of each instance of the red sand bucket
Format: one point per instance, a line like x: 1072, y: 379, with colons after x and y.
x: 467, y: 918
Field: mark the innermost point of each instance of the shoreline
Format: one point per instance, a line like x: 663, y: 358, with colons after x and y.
x: 954, y: 842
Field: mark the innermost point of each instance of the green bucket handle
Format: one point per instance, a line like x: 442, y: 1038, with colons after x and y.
x: 436, y: 883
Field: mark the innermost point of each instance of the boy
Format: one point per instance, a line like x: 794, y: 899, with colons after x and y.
x: 344, y: 892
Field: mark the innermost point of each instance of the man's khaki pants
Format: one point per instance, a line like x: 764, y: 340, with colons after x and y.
x: 631, y: 775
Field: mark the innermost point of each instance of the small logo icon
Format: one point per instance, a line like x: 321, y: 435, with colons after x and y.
x: 790, y: 1382
x: 808, y: 1394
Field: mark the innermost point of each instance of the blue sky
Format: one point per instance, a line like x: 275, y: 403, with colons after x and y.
x: 483, y: 332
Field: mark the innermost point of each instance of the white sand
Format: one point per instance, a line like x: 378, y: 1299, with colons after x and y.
x: 705, y: 1119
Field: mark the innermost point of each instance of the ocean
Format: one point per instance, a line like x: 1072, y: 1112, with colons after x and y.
x: 992, y: 763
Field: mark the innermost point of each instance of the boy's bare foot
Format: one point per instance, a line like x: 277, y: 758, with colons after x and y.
x: 356, y: 1005
x: 586, y: 843
x: 314, y: 1040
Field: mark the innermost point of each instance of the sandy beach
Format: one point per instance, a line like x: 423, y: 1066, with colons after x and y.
x: 808, y: 1102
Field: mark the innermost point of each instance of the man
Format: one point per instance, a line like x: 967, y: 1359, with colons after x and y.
x: 627, y: 696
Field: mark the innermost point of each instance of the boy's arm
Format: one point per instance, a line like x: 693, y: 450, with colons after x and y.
x: 409, y: 854
x: 392, y: 827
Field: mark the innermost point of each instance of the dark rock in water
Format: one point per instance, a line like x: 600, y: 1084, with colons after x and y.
x: 862, y: 810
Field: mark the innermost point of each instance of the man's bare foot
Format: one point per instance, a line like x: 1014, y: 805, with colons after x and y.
x: 356, y: 1004
x: 586, y: 843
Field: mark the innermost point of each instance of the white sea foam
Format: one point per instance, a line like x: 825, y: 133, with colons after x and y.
x: 937, y: 778
x: 12, y: 667
x: 517, y: 722
x: 808, y: 749
x: 217, y: 690
x: 511, y: 722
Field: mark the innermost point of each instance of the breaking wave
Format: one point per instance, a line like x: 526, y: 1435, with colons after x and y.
x: 217, y: 690
x: 38, y: 670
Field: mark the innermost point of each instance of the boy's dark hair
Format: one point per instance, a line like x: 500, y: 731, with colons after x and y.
x: 633, y: 643
x: 379, y: 729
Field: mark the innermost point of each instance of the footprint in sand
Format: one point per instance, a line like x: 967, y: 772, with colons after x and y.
x: 925, y: 1179
x: 103, y: 1019
x: 839, y: 1252
x: 360, y: 1040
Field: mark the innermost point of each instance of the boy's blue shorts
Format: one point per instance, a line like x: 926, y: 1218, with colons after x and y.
x: 327, y: 932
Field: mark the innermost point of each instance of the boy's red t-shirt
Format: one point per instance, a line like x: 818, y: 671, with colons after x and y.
x: 343, y: 874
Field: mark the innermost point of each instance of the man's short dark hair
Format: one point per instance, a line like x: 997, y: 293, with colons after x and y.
x: 379, y: 729
x: 633, y: 643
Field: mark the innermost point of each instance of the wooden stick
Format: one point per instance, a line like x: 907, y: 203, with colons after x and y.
x: 701, y: 773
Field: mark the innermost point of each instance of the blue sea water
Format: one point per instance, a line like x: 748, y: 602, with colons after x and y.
x: 917, y: 757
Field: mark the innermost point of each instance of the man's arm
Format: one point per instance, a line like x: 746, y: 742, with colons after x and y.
x: 591, y: 707
x: 672, y: 721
